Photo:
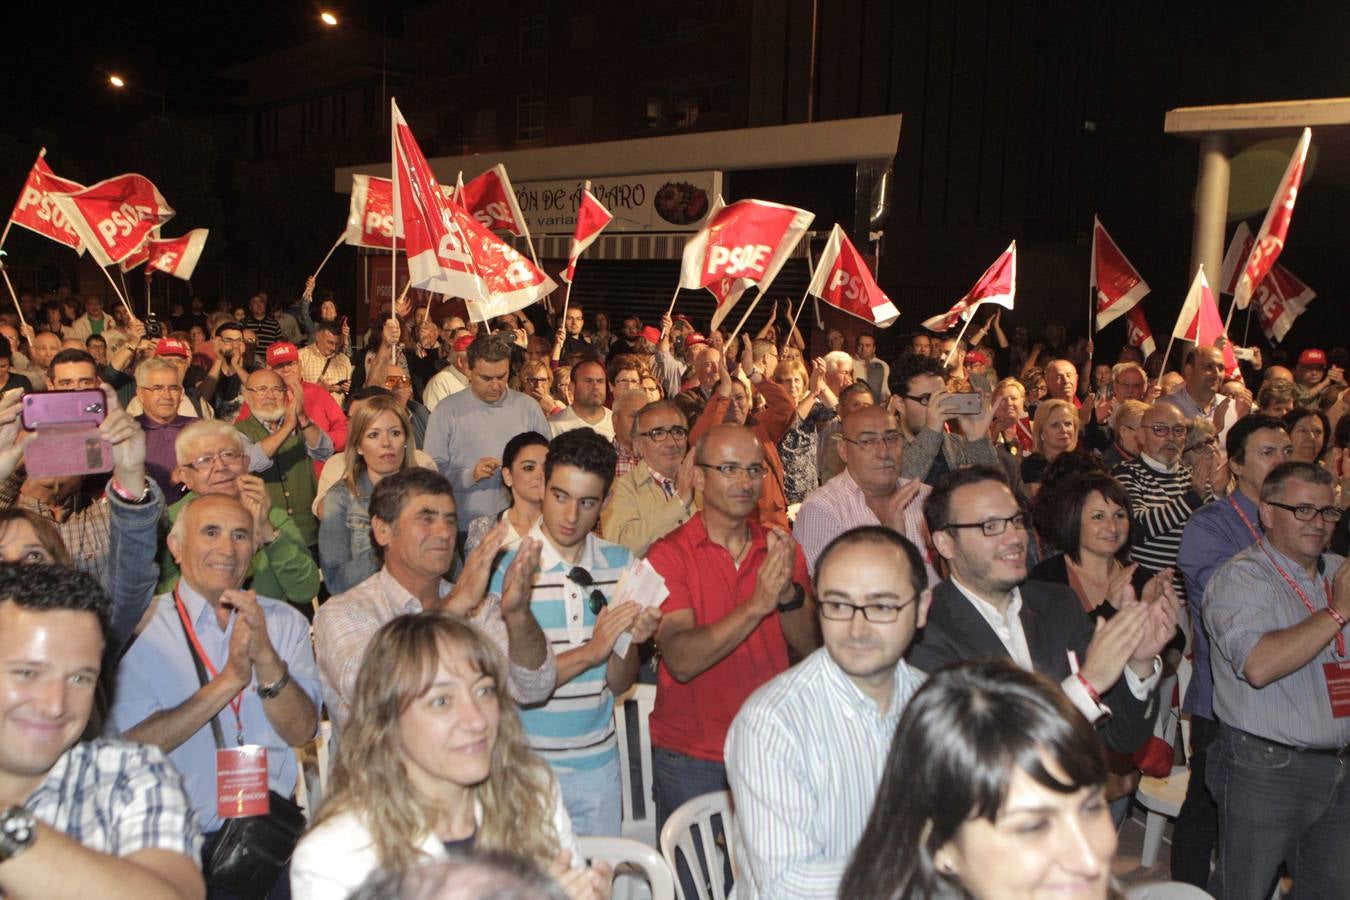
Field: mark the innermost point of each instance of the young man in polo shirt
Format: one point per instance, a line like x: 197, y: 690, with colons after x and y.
x: 576, y: 579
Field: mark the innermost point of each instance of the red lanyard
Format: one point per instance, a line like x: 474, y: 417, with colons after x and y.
x: 237, y: 703
x: 1256, y: 536
x: 1326, y: 584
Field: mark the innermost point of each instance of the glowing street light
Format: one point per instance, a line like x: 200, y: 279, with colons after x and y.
x: 328, y: 18
x: 116, y: 81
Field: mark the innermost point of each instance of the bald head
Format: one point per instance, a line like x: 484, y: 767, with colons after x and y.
x: 1061, y: 380
x: 730, y: 473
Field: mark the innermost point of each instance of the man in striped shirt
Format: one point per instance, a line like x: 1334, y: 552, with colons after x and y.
x: 578, y: 573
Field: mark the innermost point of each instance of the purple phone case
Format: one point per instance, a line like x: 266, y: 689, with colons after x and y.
x: 75, y: 448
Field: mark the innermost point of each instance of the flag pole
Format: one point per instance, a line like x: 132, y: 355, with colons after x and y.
x: 797, y: 316
x: 758, y: 297
x: 338, y: 243
x: 393, y: 247
x: 119, y: 294
x: 1163, y: 368
x: 122, y: 277
x: 148, y: 274
x: 4, y: 270
x: 959, y: 335
x: 671, y: 308
x: 1248, y: 326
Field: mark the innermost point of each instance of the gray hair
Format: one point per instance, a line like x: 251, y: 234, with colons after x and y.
x: 199, y: 431
x: 1309, y: 473
x: 154, y: 364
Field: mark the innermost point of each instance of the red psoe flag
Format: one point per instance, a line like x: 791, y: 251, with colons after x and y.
x: 370, y: 216
x: 510, y: 280
x: 490, y: 199
x: 843, y: 280
x: 37, y: 211
x: 1118, y: 286
x: 139, y: 255
x: 998, y: 285
x: 438, y: 254
x: 115, y: 216
x: 1280, y: 298
x: 1275, y: 227
x: 1138, y: 333
x: 1199, y: 321
x: 178, y: 256
x: 741, y: 245
x: 592, y: 218
x: 1238, y: 250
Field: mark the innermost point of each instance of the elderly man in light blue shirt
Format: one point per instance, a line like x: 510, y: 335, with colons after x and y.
x: 469, y: 429
x: 805, y: 754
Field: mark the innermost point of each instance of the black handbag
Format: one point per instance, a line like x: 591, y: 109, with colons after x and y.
x: 250, y: 852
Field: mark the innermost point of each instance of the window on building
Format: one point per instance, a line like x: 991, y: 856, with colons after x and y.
x: 487, y: 50
x: 533, y: 39
x: 530, y: 116
x: 581, y: 112
x: 485, y: 124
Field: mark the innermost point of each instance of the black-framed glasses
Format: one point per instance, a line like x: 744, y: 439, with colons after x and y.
x: 594, y: 599
x: 872, y: 441
x: 1306, y: 512
x: 1161, y: 430
x: 995, y: 527
x: 876, y: 613
x: 732, y: 470
x: 921, y: 399
x: 659, y: 434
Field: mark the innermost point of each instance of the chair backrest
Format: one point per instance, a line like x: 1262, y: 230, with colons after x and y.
x: 618, y: 851
x: 702, y: 855
x: 1166, y: 890
x: 306, y: 798
x: 631, y: 714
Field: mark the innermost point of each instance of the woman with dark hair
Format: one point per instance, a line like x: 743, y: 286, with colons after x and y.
x: 994, y: 788
x: 1310, y: 432
x: 523, y: 475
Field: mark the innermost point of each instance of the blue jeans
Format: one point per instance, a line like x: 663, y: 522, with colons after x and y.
x: 592, y: 798
x: 677, y: 779
x: 1277, y: 804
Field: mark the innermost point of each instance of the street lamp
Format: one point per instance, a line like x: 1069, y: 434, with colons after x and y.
x: 328, y: 19
x: 120, y: 83
x: 116, y: 81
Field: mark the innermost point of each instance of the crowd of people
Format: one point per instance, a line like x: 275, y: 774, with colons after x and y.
x: 920, y: 616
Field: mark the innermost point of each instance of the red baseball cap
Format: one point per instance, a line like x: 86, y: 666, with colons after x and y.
x: 462, y: 343
x: 172, y: 347
x: 1313, y: 358
x: 651, y: 334
x: 975, y: 356
x: 281, y: 353
x: 695, y: 339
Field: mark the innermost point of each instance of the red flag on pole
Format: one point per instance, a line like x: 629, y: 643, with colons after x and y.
x: 510, y: 281
x: 370, y: 217
x: 139, y: 255
x: 1199, y: 321
x: 1275, y: 227
x: 490, y: 199
x: 1238, y: 250
x: 998, y: 285
x: 843, y: 280
x: 114, y: 216
x: 1138, y: 333
x: 178, y: 256
x: 741, y: 245
x: 592, y: 218
x: 1280, y: 298
x: 37, y: 211
x: 438, y: 255
x: 1117, y: 284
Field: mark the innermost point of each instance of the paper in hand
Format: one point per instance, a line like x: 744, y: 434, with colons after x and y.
x: 643, y: 585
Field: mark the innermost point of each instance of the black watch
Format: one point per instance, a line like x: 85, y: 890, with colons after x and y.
x: 797, y: 601
x: 18, y: 830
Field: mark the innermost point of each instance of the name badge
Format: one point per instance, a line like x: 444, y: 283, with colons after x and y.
x: 241, y: 782
x: 1338, y: 688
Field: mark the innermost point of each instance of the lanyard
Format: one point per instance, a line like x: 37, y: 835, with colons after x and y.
x: 1250, y: 527
x: 1326, y: 584
x: 236, y: 704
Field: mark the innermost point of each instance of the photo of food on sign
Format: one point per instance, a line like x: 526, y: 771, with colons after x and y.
x: 681, y: 203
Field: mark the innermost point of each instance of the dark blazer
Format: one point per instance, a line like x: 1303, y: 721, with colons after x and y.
x: 1054, y: 623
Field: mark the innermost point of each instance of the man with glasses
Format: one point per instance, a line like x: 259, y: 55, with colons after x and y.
x: 870, y: 490
x: 919, y: 397
x: 657, y: 496
x: 159, y: 391
x: 319, y: 405
x: 1163, y: 491
x: 575, y: 581
x: 739, y: 597
x: 1276, y: 616
x: 224, y: 382
x: 987, y: 607
x: 588, y: 403
x: 806, y: 752
x: 212, y: 457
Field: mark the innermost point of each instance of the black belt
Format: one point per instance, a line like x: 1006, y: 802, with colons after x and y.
x: 1340, y: 752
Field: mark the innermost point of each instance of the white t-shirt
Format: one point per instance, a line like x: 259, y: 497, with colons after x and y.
x: 567, y: 419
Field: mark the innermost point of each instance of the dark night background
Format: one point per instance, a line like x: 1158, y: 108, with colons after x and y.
x: 1021, y: 119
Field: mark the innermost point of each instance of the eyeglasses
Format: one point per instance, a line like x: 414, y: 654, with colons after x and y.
x: 158, y: 389
x: 1306, y: 512
x: 1207, y: 442
x: 537, y: 380
x: 276, y: 391
x: 204, y: 462
x: 872, y: 441
x: 731, y: 470
x: 1161, y: 430
x: 595, y: 600
x: 876, y: 613
x: 922, y: 399
x: 659, y: 434
x: 995, y: 527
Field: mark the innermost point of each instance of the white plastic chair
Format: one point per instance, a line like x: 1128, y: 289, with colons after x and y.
x: 705, y: 856
x: 622, y: 852
x: 307, y: 796
x: 1166, y: 890
x: 643, y: 698
x: 1162, y: 797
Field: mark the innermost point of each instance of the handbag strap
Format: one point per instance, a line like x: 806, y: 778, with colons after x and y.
x: 201, y: 677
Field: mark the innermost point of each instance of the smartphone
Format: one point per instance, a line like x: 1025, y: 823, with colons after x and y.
x: 67, y: 440
x: 966, y: 404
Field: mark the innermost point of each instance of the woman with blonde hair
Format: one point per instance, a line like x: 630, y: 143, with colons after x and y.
x: 536, y: 382
x: 434, y: 761
x: 1054, y: 429
x: 815, y: 408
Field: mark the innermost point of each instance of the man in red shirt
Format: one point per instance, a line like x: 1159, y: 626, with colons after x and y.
x: 739, y: 597
x: 284, y: 359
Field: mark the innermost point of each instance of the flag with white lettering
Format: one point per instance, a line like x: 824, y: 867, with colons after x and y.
x: 998, y: 285
x: 1138, y: 333
x: 510, y: 281
x: 36, y: 211
x: 1199, y: 321
x: 741, y: 245
x: 843, y: 280
x: 178, y: 256
x: 1238, y: 250
x: 1115, y: 283
x: 139, y: 255
x: 1275, y: 227
x: 115, y: 216
x: 370, y: 216
x: 1280, y: 298
x: 591, y: 220
x: 490, y: 199
x: 438, y: 255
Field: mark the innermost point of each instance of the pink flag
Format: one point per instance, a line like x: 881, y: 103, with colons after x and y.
x: 1275, y: 227
x: 998, y: 285
x: 438, y: 254
x: 370, y: 217
x: 741, y: 245
x: 115, y: 216
x: 843, y: 280
x: 1138, y: 333
x: 1117, y: 285
x: 490, y: 199
x: 1238, y: 250
x: 36, y: 210
x: 1280, y: 299
x: 1199, y: 321
x: 591, y: 220
x: 178, y: 256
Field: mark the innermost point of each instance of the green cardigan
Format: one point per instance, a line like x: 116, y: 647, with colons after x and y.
x: 291, y: 482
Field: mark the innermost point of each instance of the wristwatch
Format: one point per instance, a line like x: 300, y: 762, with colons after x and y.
x: 18, y: 830
x: 268, y: 691
x: 798, y: 598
